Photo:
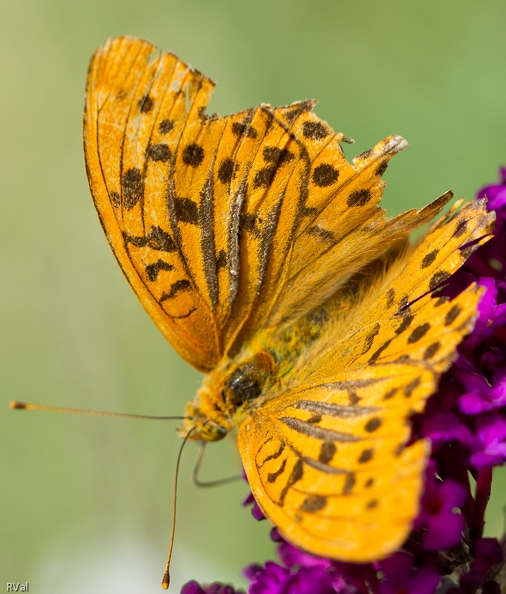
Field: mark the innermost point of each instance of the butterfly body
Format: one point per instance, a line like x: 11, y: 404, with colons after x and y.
x: 264, y: 257
x: 259, y: 372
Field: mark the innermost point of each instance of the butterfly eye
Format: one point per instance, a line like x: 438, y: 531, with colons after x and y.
x: 244, y: 385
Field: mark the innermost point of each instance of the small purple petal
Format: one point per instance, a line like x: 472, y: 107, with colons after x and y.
x: 443, y: 527
x: 256, y: 512
x: 310, y: 580
x: 441, y: 536
x: 270, y: 579
x: 488, y: 554
x: 491, y: 430
x: 444, y: 427
x: 400, y: 577
x: 194, y: 587
x: 292, y: 557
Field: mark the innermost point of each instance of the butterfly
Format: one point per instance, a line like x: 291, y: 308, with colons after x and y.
x: 264, y: 258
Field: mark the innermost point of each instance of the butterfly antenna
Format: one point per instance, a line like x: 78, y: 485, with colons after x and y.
x: 97, y: 413
x: 166, y: 575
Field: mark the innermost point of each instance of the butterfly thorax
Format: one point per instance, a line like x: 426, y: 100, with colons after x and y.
x: 238, y: 385
x: 227, y: 395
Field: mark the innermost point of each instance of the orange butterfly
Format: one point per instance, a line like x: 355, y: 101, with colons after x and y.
x: 264, y: 258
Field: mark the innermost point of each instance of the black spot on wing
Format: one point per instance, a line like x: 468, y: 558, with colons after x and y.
x: 377, y: 353
x: 437, y: 279
x: 314, y: 130
x: 373, y: 424
x: 429, y: 258
x: 295, y: 476
x: 441, y: 300
x: 165, y: 126
x: 133, y: 187
x: 152, y: 270
x: 411, y: 387
x: 276, y: 158
x: 366, y: 456
x: 382, y: 167
x: 390, y: 393
x: 221, y: 260
x: 369, y: 339
x: 115, y: 199
x: 248, y: 221
x: 275, y: 455
x: 431, y: 350
x: 325, y: 175
x: 186, y: 210
x: 349, y: 484
x: 453, y: 314
x: 418, y: 333
x: 241, y: 128
x: 264, y: 177
x: 272, y: 476
x: 461, y: 229
x: 145, y: 104
x: 390, y: 298
x: 406, y: 322
x: 274, y: 154
x: 226, y: 170
x: 179, y: 286
x: 313, y: 503
x: 156, y: 239
x: 298, y: 109
x: 159, y: 152
x: 322, y: 234
x: 366, y: 154
x: 193, y: 154
x: 327, y: 452
x: 359, y: 198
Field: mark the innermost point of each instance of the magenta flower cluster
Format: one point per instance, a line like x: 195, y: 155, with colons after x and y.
x: 466, y: 423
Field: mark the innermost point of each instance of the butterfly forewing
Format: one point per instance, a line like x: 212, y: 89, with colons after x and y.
x: 134, y: 118
x: 222, y: 224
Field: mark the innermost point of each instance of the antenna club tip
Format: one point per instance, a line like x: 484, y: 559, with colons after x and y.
x: 16, y: 404
x: 166, y: 581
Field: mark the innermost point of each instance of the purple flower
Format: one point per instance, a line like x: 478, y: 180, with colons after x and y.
x: 443, y: 526
x: 470, y: 405
x: 491, y: 435
x: 400, y: 577
x: 256, y: 512
x: 216, y: 588
x: 275, y: 579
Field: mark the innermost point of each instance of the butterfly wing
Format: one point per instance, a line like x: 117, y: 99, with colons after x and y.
x: 221, y: 224
x: 327, y: 458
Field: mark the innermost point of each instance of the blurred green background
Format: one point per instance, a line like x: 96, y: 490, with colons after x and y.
x: 85, y: 502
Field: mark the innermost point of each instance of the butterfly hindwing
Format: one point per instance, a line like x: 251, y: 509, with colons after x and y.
x: 326, y: 457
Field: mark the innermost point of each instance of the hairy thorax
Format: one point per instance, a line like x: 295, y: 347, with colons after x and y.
x: 227, y: 394
x: 237, y: 386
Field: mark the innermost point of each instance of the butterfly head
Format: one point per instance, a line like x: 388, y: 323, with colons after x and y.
x: 226, y: 396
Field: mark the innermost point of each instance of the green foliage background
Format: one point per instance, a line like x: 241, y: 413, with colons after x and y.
x: 84, y: 502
